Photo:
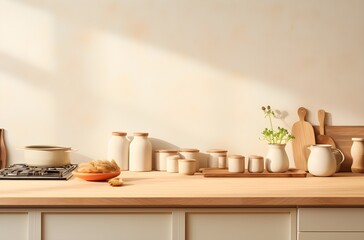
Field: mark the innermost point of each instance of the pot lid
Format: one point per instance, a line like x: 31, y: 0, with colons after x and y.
x: 46, y: 148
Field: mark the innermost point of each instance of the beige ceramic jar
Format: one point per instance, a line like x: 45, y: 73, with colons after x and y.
x: 191, y: 153
x: 222, y: 162
x: 214, y: 154
x: 161, y: 164
x: 236, y: 163
x: 187, y: 166
x: 140, y: 153
x: 118, y: 150
x: 172, y: 163
x: 255, y: 164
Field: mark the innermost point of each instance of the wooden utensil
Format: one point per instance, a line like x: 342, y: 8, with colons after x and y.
x: 2, y: 149
x: 304, y: 137
x: 322, y: 138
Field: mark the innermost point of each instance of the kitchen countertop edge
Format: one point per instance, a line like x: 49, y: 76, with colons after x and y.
x: 185, y: 202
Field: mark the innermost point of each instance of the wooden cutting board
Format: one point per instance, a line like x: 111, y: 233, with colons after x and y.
x: 216, y: 172
x: 342, y: 136
x: 3, y: 154
x: 304, y: 137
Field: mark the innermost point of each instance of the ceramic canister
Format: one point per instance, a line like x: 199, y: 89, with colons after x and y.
x: 236, y: 163
x: 162, y: 159
x: 118, y: 150
x: 172, y: 163
x: 187, y: 166
x: 191, y: 153
x: 140, y: 153
x: 255, y: 164
x: 213, y: 161
x: 222, y: 162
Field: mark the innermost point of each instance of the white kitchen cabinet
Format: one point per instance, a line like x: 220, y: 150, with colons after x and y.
x: 149, y: 223
x: 234, y: 224
x: 14, y: 225
x: 330, y: 223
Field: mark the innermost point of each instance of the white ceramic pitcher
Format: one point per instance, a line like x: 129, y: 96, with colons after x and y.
x: 323, y: 160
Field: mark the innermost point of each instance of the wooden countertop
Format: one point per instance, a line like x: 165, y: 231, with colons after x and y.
x: 161, y: 189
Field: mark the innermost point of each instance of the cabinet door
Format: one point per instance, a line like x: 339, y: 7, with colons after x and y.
x: 330, y: 219
x: 241, y: 224
x: 14, y: 225
x: 107, y: 225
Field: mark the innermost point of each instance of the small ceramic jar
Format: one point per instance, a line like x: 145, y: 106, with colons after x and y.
x: 155, y: 160
x: 187, y: 166
x: 256, y: 164
x: 172, y: 163
x: 162, y: 158
x: 191, y: 153
x: 222, y: 161
x: 236, y: 163
x: 213, y: 161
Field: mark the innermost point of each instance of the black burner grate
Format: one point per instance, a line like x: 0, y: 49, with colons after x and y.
x: 25, y: 172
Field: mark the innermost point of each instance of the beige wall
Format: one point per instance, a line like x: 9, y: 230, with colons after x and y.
x: 192, y: 73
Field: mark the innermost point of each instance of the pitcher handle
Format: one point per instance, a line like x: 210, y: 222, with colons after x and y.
x: 342, y: 154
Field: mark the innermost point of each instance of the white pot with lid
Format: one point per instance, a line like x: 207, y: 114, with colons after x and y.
x: 47, y: 156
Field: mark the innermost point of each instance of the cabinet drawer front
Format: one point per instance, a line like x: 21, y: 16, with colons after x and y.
x: 236, y: 226
x: 331, y: 235
x: 14, y: 226
x: 96, y: 226
x: 330, y: 219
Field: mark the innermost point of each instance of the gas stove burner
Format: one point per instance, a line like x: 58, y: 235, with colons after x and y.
x: 25, y: 172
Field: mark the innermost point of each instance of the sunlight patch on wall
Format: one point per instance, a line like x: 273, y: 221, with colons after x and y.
x: 128, y: 67
x: 27, y: 34
x: 29, y: 108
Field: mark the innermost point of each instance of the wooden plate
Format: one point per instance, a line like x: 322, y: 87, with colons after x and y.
x: 95, y: 176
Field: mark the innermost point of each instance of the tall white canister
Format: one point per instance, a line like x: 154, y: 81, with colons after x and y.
x: 118, y: 150
x: 140, y: 153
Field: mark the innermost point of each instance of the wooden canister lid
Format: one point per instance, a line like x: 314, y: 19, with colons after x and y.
x: 119, y: 133
x: 188, y: 150
x: 217, y: 151
x: 167, y: 150
x: 145, y: 134
x: 236, y: 156
x: 255, y: 157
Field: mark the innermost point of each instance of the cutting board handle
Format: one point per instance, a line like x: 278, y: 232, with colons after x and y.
x: 302, y: 113
x: 321, y: 118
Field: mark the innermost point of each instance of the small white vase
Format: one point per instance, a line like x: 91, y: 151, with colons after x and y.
x: 276, y: 160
